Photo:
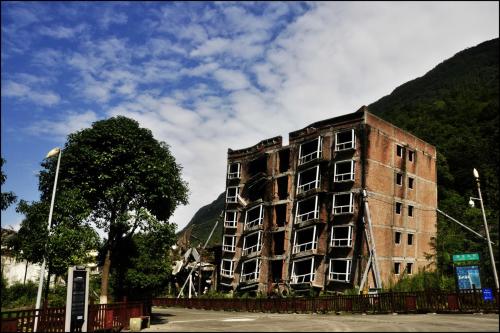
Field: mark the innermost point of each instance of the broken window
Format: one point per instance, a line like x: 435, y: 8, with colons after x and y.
x: 254, y: 216
x: 308, y: 179
x: 399, y: 179
x: 282, y: 188
x: 277, y: 270
x: 310, y: 150
x: 279, y: 243
x: 302, y: 271
x: 399, y: 150
x: 307, y: 209
x: 397, y: 266
x: 233, y: 170
x: 250, y: 270
x: 410, y: 239
x: 257, y: 165
x: 339, y: 270
x: 284, y: 156
x: 345, y: 140
x: 232, y: 194
x: 227, y: 268
x: 305, y: 239
x: 399, y: 206
x: 341, y: 236
x: 229, y: 243
x: 343, y: 203
x: 344, y: 171
x: 410, y: 182
x: 231, y: 219
x: 397, y: 237
x: 409, y: 268
x: 252, y: 243
x: 411, y: 155
x: 280, y: 215
x: 410, y: 210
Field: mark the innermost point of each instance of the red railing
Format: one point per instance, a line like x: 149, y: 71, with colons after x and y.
x: 392, y: 302
x: 114, y: 316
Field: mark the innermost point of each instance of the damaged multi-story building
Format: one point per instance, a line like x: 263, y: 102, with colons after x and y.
x: 350, y: 201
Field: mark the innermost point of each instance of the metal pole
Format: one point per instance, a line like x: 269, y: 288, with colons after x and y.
x: 42, y: 270
x: 199, y: 257
x: 487, y: 231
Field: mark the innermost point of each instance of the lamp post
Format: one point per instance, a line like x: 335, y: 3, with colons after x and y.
x: 53, y: 152
x: 471, y: 202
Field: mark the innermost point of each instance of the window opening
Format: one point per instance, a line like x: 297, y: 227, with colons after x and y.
x: 410, y: 182
x: 410, y: 210
x: 305, y: 239
x: 250, y: 270
x: 341, y: 236
x: 254, y: 216
x: 233, y: 170
x: 343, y: 203
x: 302, y: 271
x: 397, y: 237
x: 229, y: 243
x: 284, y: 156
x: 227, y: 268
x: 307, y: 209
x: 310, y: 150
x: 279, y: 243
x: 280, y: 215
x: 308, y: 180
x: 399, y: 206
x: 231, y: 219
x: 252, y: 243
x: 411, y: 155
x: 399, y: 150
x: 232, y: 194
x: 277, y: 270
x: 282, y: 188
x: 345, y: 140
x: 340, y: 269
x: 397, y: 266
x: 410, y: 239
x: 344, y: 171
x: 257, y: 165
x: 399, y: 179
x: 409, y: 268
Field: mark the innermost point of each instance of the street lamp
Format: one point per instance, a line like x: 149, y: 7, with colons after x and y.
x: 471, y: 203
x: 53, y: 152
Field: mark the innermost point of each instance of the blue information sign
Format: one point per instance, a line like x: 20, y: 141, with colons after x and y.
x: 487, y: 294
x: 468, y: 277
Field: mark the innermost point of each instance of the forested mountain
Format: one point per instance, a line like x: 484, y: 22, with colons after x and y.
x: 455, y: 107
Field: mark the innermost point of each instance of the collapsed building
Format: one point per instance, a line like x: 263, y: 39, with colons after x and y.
x: 351, y: 201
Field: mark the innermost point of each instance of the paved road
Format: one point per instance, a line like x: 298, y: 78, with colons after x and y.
x: 190, y: 320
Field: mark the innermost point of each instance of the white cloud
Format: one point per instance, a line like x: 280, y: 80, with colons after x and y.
x: 24, y: 92
x: 231, y: 79
x: 61, y: 32
x: 60, y: 128
x: 109, y: 17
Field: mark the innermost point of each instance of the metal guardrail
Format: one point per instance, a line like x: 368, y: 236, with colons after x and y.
x: 391, y: 302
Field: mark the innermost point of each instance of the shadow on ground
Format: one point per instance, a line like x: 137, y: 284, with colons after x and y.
x: 160, y: 318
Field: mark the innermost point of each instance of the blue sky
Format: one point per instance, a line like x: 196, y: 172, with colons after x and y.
x: 208, y: 76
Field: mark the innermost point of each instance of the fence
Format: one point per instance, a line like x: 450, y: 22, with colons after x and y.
x: 392, y: 302
x: 114, y: 317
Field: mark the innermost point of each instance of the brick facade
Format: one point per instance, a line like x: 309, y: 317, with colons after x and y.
x: 295, y: 213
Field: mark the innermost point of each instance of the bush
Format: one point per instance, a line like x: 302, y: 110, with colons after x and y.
x: 422, y: 281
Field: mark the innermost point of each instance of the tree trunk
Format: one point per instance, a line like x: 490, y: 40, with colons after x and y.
x: 103, y: 299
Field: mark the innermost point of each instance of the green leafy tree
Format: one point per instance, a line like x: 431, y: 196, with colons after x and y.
x: 8, y: 198
x: 70, y: 239
x: 122, y: 173
x: 142, y: 263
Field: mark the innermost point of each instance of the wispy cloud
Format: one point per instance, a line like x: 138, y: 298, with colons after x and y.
x: 24, y: 92
x: 58, y: 129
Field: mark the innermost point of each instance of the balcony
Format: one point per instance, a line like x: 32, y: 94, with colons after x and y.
x: 345, y: 140
x: 308, y: 180
x: 343, y: 203
x: 340, y: 270
x: 305, y: 240
x: 307, y: 209
x: 303, y: 271
x: 254, y: 217
x: 250, y: 271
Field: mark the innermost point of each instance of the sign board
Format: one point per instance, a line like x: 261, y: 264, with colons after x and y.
x: 468, y: 277
x: 466, y: 257
x: 77, y: 300
x: 487, y: 294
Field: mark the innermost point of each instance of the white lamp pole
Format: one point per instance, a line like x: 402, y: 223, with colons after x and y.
x: 53, y: 152
x: 476, y: 175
